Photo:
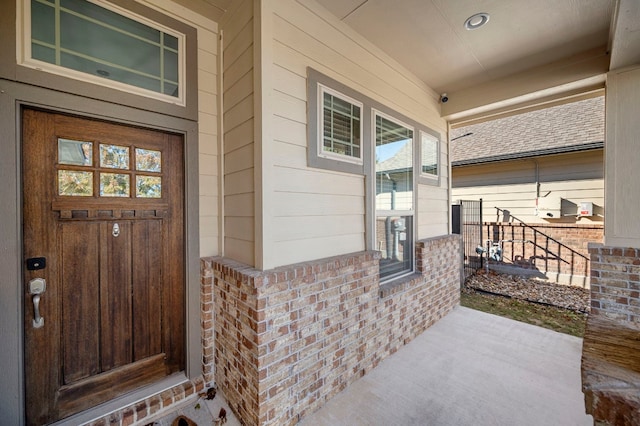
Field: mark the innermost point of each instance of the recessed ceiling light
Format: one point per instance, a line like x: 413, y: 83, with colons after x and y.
x: 476, y: 21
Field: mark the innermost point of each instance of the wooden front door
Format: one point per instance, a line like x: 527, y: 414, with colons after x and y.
x: 104, y: 271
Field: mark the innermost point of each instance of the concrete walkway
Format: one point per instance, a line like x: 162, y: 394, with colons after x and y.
x: 470, y: 368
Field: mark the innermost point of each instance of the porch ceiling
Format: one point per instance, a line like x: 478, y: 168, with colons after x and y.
x: 428, y: 36
x: 528, y: 52
x: 526, y: 47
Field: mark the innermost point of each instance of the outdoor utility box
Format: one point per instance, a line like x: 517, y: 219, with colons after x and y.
x: 549, y: 207
x: 586, y: 208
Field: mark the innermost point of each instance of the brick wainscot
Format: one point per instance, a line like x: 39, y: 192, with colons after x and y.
x: 611, y: 346
x: 289, y: 339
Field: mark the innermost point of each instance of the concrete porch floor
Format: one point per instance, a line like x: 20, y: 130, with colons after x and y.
x: 470, y: 368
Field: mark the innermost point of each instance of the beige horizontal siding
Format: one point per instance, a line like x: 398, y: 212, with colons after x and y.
x: 511, y: 186
x: 319, y: 213
x: 238, y: 104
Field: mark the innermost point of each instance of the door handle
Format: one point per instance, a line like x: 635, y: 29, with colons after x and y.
x: 37, y: 286
x: 38, y: 321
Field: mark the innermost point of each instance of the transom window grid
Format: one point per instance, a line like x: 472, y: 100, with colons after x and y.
x: 340, y: 127
x: 96, y: 42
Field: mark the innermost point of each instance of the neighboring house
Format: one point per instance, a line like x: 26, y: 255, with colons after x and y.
x: 538, y: 166
x: 543, y: 168
x: 206, y: 192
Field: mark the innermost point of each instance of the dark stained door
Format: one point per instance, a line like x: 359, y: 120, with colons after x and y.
x: 103, y: 227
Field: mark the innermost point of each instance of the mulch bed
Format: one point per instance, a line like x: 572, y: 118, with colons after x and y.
x: 531, y: 290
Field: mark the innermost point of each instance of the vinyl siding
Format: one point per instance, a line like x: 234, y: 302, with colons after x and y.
x: 319, y: 213
x: 207, y: 121
x: 238, y: 119
x: 511, y: 186
x: 622, y: 229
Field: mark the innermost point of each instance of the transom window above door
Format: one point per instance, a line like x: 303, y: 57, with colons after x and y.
x: 97, y: 42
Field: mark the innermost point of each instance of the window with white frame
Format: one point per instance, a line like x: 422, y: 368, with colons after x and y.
x: 429, y: 154
x: 351, y: 133
x: 394, y: 180
x: 96, y: 42
x: 340, y: 126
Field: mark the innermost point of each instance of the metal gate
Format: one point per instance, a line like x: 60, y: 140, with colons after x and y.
x: 467, y: 221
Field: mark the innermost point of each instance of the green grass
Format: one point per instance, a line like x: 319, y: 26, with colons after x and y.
x: 558, y: 319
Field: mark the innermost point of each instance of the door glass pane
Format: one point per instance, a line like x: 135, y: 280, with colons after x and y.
x: 148, y: 186
x: 77, y: 153
x: 114, y: 156
x: 74, y: 183
x: 148, y: 160
x: 114, y: 185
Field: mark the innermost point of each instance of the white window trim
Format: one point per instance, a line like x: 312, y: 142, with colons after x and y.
x: 23, y: 51
x: 434, y: 177
x: 322, y: 89
x: 383, y: 213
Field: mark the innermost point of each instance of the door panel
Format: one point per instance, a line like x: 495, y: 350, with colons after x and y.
x: 80, y: 292
x: 103, y: 203
x: 115, y: 290
x: 146, y: 292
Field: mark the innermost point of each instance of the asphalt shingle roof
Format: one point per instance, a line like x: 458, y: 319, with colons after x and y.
x: 572, y: 126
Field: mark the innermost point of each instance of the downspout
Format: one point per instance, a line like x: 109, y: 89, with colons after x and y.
x: 221, y: 143
x: 537, y: 178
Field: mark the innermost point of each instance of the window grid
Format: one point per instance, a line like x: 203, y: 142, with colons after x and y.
x: 341, y: 127
x: 58, y: 49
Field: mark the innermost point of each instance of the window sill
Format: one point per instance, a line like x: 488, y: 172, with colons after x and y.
x: 398, y: 285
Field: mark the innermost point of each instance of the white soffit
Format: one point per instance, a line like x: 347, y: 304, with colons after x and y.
x: 428, y: 37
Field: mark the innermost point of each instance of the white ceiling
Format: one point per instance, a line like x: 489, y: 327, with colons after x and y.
x: 530, y: 52
x: 428, y: 36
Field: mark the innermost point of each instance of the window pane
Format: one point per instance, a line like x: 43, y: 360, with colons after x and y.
x: 82, y: 37
x: 170, y: 66
x: 148, y: 186
x: 171, y: 41
x: 341, y: 127
x: 148, y: 160
x: 429, y: 148
x: 394, y: 165
x: 75, y: 183
x: 110, y: 18
x: 114, y: 185
x: 43, y: 26
x: 43, y: 53
x: 114, y: 156
x: 106, y: 71
x: 75, y: 152
x: 394, y: 239
x: 99, y: 42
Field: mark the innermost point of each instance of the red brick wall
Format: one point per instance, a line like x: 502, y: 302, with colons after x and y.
x: 288, y: 339
x: 615, y: 282
x: 557, y: 248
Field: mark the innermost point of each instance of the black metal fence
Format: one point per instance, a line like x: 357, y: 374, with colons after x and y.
x: 467, y: 221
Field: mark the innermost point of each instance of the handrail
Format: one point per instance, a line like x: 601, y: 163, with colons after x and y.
x: 545, y: 235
